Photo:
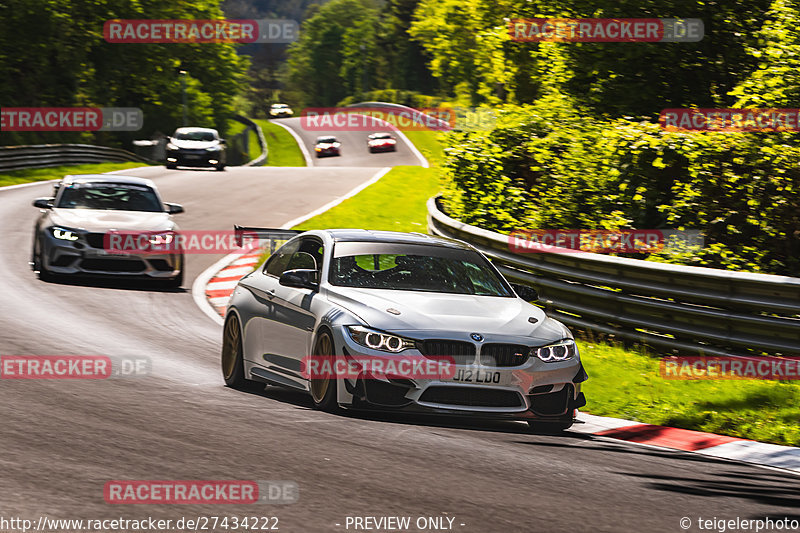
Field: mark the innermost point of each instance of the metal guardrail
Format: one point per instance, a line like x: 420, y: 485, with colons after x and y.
x: 262, y: 141
x: 689, y: 309
x: 52, y: 155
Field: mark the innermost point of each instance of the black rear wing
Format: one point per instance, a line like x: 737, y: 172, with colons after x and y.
x: 270, y: 238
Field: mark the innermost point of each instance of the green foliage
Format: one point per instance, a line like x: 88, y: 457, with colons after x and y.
x: 776, y: 82
x: 546, y: 166
x: 53, y: 54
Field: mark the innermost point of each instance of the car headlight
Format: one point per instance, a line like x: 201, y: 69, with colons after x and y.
x: 560, y: 351
x: 65, y: 234
x: 171, y: 146
x: 213, y: 149
x: 162, y: 238
x: 378, y: 340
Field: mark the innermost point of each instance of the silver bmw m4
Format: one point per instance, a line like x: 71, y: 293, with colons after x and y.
x: 397, y: 321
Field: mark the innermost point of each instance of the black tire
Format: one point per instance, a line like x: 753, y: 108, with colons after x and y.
x: 323, y: 390
x: 232, y: 358
x: 171, y: 167
x: 220, y: 168
x: 38, y: 264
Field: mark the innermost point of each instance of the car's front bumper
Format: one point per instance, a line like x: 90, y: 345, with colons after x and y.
x: 532, y: 390
x: 89, y: 256
x: 195, y: 158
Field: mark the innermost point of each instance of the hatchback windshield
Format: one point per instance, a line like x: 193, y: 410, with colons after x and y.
x: 123, y: 197
x: 414, y: 268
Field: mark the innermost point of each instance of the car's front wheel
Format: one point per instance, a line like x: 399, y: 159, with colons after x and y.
x: 323, y: 387
x: 232, y: 357
x: 38, y: 263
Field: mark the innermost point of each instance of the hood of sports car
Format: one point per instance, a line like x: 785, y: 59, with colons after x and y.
x: 429, y: 311
x: 100, y: 220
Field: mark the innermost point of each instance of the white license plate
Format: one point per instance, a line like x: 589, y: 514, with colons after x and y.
x: 480, y: 376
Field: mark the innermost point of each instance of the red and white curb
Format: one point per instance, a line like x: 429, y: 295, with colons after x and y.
x: 720, y: 446
x: 220, y: 287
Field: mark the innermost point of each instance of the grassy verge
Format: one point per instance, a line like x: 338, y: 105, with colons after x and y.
x: 283, y: 149
x: 15, y: 177
x: 622, y: 383
x: 627, y: 384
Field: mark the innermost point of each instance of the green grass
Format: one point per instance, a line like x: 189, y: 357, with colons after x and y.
x: 430, y: 144
x: 396, y: 203
x: 283, y: 149
x: 628, y: 384
x: 15, y: 177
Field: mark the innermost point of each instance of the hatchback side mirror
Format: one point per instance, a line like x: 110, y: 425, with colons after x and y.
x: 529, y: 294
x: 43, y: 203
x: 301, y: 278
x: 173, y: 209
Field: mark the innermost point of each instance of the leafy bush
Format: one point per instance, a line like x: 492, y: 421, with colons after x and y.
x: 546, y: 166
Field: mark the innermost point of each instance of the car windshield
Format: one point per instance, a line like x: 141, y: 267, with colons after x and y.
x: 279, y: 106
x: 326, y: 140
x: 414, y: 268
x: 381, y: 136
x: 112, y: 196
x: 195, y: 136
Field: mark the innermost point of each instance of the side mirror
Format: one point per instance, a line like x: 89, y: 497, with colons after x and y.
x: 43, y: 203
x: 301, y: 278
x: 173, y: 209
x: 223, y: 141
x: 528, y: 294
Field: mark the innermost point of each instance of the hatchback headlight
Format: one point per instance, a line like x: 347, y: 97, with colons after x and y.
x: 162, y: 238
x: 378, y: 340
x: 65, y: 234
x: 560, y: 351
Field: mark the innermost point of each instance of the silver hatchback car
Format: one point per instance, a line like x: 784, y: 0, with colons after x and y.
x: 399, y: 321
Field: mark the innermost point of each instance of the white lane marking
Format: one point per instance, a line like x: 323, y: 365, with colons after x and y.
x: 299, y: 141
x: 200, y: 282
x: 299, y: 220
